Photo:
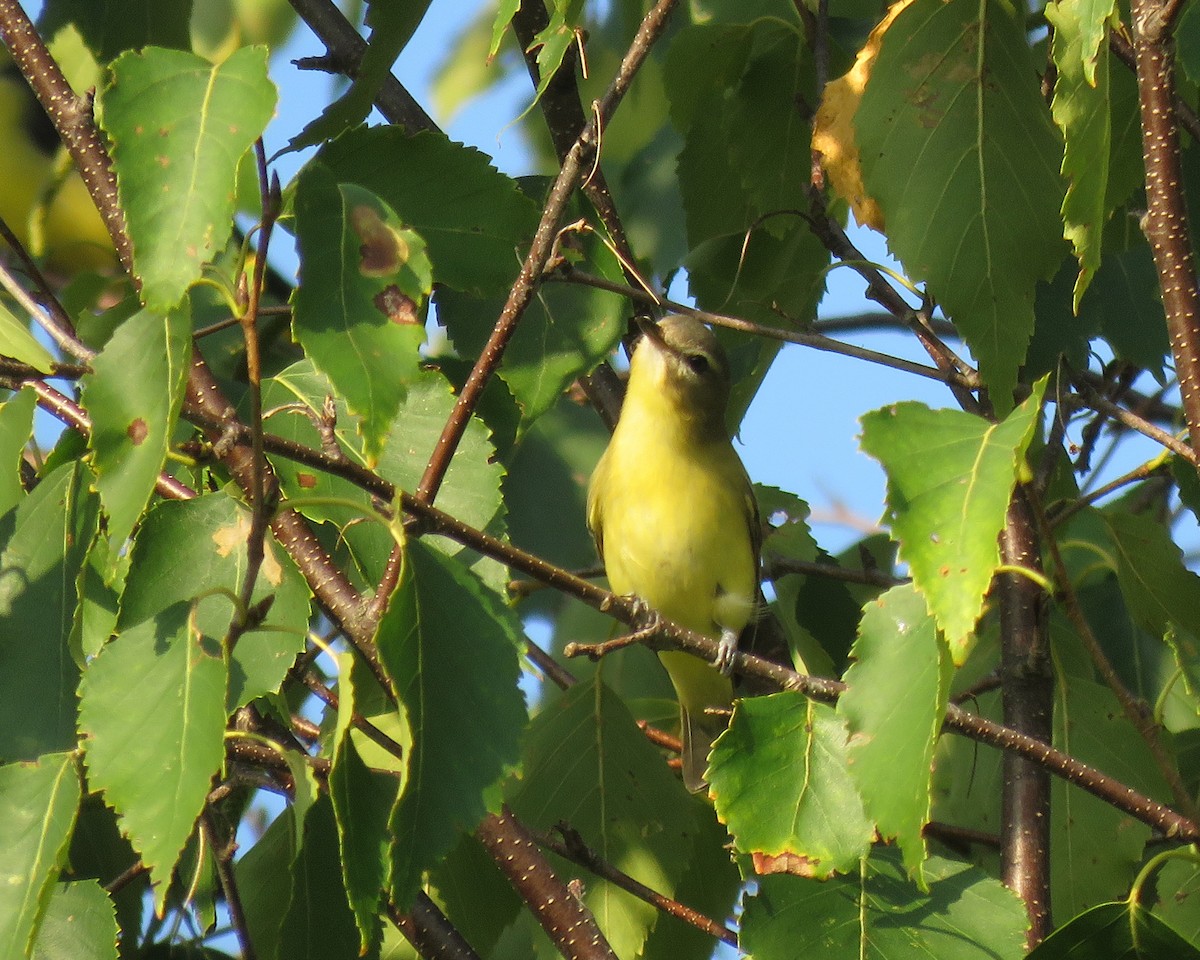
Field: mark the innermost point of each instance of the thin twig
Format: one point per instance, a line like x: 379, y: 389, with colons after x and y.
x: 573, y: 848
x: 270, y: 198
x: 50, y: 315
x: 814, y: 340
x: 223, y: 849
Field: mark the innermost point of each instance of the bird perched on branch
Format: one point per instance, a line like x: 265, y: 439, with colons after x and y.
x: 674, y: 517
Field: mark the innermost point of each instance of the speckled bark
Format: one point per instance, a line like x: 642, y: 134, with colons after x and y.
x: 1166, y: 223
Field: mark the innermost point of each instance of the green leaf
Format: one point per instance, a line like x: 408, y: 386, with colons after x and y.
x: 876, y: 916
x: 710, y: 886
x: 109, y: 27
x: 1159, y: 590
x: 474, y: 894
x: 447, y: 641
x: 1081, y: 110
x: 318, y: 924
x: 194, y: 552
x: 505, y: 10
x: 264, y: 879
x: 950, y: 477
x: 362, y: 803
x: 38, y: 804
x: 1177, y: 886
x: 1187, y: 36
x: 364, y: 282
x: 80, y: 924
x: 175, y: 726
x: 959, y: 150
x: 566, y: 332
x: 392, y: 26
x: 53, y: 528
x: 475, y: 221
x: 134, y: 397
x: 99, y: 851
x: 893, y: 706
x: 780, y: 781
x: 16, y: 426
x: 470, y: 490
x: 179, y: 125
x: 1115, y: 931
x: 587, y: 763
x: 769, y: 142
x: 1095, y: 848
x: 757, y: 280
x: 18, y: 342
x: 555, y: 39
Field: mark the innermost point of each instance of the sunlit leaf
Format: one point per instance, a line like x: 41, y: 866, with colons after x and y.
x: 38, y: 804
x: 959, y: 150
x: 447, y: 641
x: 780, y: 783
x: 950, y: 476
x: 134, y: 397
x: 893, y: 705
x: 175, y: 726
x: 179, y: 126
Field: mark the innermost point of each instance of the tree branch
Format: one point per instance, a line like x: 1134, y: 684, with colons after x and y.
x: 1027, y: 692
x: 567, y: 921
x: 346, y: 50
x: 1166, y: 222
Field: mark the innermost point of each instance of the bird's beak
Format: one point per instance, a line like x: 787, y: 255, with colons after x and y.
x: 651, y: 330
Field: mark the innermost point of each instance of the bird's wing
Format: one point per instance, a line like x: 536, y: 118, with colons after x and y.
x: 595, y: 514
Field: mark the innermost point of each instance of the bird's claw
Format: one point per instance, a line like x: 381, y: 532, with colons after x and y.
x: 726, y: 648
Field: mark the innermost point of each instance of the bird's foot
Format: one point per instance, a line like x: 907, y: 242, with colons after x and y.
x: 726, y: 649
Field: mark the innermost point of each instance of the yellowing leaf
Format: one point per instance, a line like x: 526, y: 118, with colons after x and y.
x: 833, y: 130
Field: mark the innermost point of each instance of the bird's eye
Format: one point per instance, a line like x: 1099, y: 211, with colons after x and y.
x: 698, y: 362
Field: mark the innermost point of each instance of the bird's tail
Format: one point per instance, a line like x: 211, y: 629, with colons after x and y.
x: 698, y: 730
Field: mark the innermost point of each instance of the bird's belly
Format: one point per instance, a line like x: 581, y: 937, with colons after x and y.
x: 685, y: 553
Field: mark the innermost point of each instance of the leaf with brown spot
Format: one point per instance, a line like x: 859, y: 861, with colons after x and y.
x: 137, y: 432
x: 359, y: 310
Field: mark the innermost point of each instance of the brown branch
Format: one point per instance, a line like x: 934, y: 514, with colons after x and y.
x: 223, y: 849
x: 957, y: 720
x: 1166, y: 222
x: 566, y: 121
x: 1089, y: 397
x: 781, y: 566
x: 1027, y: 692
x: 55, y: 321
x: 346, y: 50
x: 1123, y: 49
x: 568, y: 922
x: 573, y: 848
x: 429, y: 931
x: 272, y: 203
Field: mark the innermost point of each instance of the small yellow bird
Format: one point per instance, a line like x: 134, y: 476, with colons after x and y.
x: 674, y: 517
